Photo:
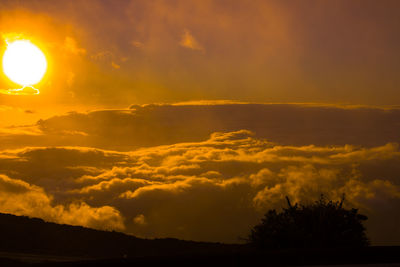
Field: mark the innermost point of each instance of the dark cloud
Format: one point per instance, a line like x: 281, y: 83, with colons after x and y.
x: 149, y: 125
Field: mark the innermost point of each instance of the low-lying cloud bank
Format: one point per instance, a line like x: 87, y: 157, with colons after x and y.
x: 21, y: 198
x: 214, y: 190
x: 153, y: 125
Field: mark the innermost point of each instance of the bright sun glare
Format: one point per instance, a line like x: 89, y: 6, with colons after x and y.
x: 24, y: 63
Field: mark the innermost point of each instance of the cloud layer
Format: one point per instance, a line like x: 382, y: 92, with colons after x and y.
x: 213, y: 190
x: 152, y: 125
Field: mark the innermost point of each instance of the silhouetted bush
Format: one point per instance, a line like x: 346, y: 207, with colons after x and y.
x: 320, y: 224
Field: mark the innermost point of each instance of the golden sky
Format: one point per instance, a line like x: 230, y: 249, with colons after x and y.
x: 190, y: 119
x: 123, y: 52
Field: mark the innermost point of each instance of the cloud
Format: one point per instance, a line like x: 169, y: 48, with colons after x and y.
x: 70, y: 78
x: 20, y: 198
x: 20, y: 131
x: 102, y: 55
x: 152, y: 125
x: 140, y: 219
x: 215, y: 189
x: 147, y: 169
x: 115, y: 65
x: 26, y: 90
x: 190, y: 42
x: 71, y: 46
x: 137, y: 44
x: 252, y: 50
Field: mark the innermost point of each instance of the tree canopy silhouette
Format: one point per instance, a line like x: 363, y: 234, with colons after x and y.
x: 320, y: 224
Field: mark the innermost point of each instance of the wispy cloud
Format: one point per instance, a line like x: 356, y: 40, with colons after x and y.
x: 188, y: 41
x: 26, y: 90
x: 115, y: 65
x: 71, y: 46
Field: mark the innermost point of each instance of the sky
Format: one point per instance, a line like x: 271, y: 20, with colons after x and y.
x: 190, y: 119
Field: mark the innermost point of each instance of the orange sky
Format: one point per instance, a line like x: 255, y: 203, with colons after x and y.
x: 117, y: 53
x: 148, y: 122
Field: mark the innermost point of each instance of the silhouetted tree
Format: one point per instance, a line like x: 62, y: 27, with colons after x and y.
x: 320, y: 224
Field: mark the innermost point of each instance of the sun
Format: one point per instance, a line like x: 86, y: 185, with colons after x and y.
x: 24, y: 63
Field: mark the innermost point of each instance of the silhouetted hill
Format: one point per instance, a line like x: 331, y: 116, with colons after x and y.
x: 31, y: 235
x: 28, y: 241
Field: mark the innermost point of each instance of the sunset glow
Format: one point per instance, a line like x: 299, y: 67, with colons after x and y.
x: 193, y: 119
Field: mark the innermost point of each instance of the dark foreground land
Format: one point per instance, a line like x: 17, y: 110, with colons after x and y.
x: 32, y: 242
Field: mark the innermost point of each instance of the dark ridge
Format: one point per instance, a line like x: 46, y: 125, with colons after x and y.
x: 28, y: 241
x: 21, y: 234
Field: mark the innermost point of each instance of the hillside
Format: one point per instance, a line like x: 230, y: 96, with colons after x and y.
x: 31, y: 235
x: 28, y: 241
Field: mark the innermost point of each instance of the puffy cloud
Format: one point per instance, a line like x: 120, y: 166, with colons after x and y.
x: 105, y: 217
x: 140, y: 219
x: 203, y: 171
x: 214, y: 189
x: 20, y: 198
